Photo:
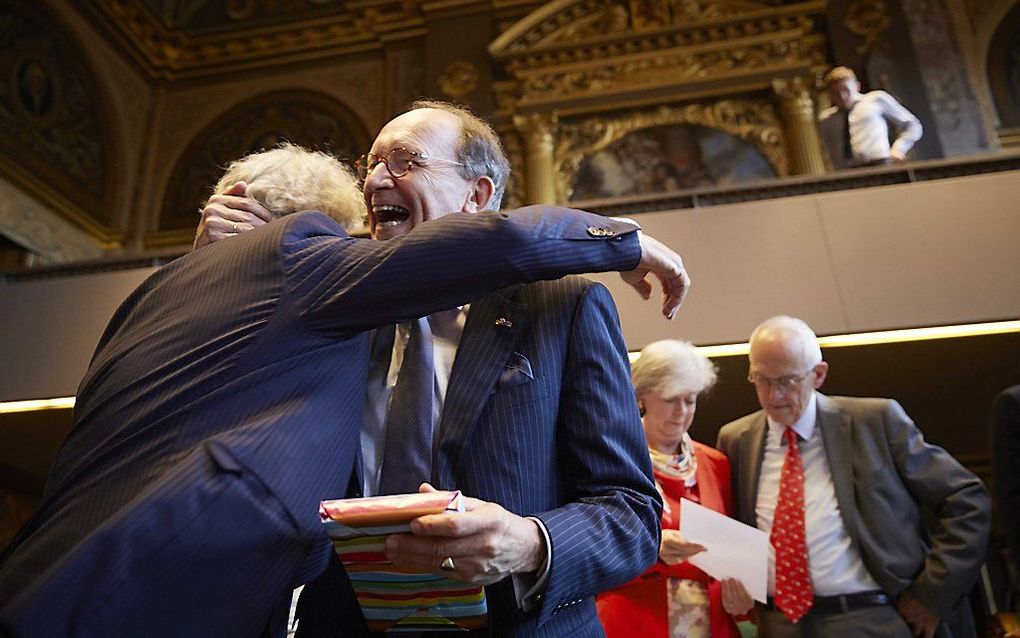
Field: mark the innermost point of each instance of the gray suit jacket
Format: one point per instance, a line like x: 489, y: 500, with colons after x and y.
x: 919, y: 519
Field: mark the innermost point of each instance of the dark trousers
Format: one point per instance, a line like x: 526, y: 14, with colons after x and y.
x: 869, y: 622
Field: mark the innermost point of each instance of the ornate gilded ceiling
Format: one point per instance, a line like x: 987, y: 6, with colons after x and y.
x: 575, y: 50
x: 174, y: 39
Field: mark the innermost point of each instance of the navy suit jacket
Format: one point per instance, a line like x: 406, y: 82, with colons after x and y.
x: 540, y: 417
x: 224, y: 402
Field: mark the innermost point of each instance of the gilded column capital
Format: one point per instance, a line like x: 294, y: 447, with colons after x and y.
x: 538, y: 129
x: 797, y: 112
x: 539, y: 132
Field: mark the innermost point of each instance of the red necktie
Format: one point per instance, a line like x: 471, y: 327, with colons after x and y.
x: 793, y: 581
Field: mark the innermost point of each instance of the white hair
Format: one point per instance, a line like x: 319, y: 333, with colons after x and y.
x: 793, y: 333
x: 671, y: 368
x: 289, y: 178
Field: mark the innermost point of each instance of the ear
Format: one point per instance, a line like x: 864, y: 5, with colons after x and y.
x: 821, y: 371
x: 481, y: 193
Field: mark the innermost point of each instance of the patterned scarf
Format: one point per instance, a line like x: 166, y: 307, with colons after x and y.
x: 682, y: 465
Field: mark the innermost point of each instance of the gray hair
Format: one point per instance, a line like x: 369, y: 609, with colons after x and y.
x: 289, y: 178
x: 795, y: 333
x: 672, y: 367
x: 478, y: 149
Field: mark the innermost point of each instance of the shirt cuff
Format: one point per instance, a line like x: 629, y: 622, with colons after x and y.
x: 528, y: 588
x: 625, y: 220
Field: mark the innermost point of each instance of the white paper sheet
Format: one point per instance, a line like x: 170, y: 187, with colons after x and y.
x: 733, y: 550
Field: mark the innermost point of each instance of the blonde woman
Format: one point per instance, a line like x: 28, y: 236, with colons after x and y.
x: 673, y: 598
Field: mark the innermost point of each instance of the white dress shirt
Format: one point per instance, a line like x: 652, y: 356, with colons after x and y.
x: 833, y: 561
x: 447, y: 327
x: 871, y: 120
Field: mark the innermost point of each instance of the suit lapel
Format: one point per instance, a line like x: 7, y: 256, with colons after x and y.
x: 494, y: 325
x: 753, y: 445
x: 836, y: 437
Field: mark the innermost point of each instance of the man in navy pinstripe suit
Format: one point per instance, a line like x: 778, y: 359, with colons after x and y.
x: 538, y: 421
x: 224, y: 401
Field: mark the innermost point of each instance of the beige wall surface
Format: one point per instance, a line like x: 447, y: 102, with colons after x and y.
x: 899, y: 256
x: 891, y: 257
x: 51, y: 327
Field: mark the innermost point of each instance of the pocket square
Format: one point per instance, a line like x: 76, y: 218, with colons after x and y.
x: 517, y: 371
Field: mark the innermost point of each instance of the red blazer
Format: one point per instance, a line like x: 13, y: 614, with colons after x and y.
x: 639, y: 608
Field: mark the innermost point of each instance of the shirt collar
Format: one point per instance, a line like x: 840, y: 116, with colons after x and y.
x: 805, y: 425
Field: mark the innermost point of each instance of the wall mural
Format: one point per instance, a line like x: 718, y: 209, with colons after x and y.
x: 51, y: 124
x: 668, y: 158
x: 309, y: 119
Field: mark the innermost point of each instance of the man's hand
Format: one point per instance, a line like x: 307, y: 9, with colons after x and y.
x: 673, y: 549
x: 657, y: 259
x: 228, y: 214
x: 921, y: 621
x: 486, y: 542
x: 897, y: 156
x: 735, y: 599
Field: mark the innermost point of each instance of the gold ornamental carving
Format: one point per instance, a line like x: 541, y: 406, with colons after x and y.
x: 670, y: 68
x: 797, y: 113
x: 753, y: 121
x: 458, y: 80
x: 616, y: 26
x: 515, y: 195
x: 571, y: 22
x: 867, y: 19
x: 172, y: 54
x: 539, y: 132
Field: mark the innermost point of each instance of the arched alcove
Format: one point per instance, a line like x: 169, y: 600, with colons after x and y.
x: 307, y: 118
x: 1003, y: 66
x: 55, y: 142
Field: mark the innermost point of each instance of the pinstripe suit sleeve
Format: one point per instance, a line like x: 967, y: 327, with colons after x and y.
x: 608, y: 532
x: 446, y: 262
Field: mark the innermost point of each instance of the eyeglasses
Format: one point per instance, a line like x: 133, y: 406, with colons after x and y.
x: 398, y: 162
x: 785, y: 384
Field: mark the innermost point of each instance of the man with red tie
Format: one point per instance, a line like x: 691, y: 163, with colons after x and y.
x: 840, y: 485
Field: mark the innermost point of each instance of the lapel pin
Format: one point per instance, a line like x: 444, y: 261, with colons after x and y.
x: 503, y: 322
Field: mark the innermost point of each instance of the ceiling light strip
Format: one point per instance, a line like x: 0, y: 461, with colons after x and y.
x: 725, y: 350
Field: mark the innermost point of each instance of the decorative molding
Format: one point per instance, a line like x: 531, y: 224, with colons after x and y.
x: 458, y: 80
x: 54, y: 140
x: 513, y: 146
x: 571, y: 52
x: 953, y: 105
x: 753, y: 121
x: 171, y: 53
x: 303, y: 117
x: 45, y: 234
x: 867, y: 19
x: 671, y: 68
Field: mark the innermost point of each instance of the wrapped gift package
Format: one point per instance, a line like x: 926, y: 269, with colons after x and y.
x: 395, y: 598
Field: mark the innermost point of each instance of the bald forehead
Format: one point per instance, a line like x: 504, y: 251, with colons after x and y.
x: 424, y: 123
x: 784, y: 344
